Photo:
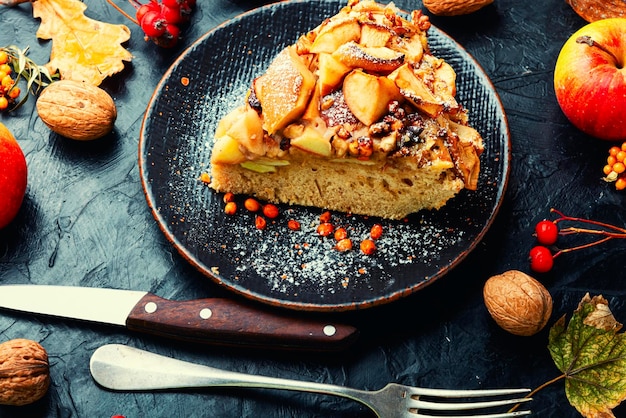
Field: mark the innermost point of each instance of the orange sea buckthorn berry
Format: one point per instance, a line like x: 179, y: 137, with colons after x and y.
x: 621, y: 156
x: 343, y: 245
x: 620, y: 183
x: 14, y: 93
x: 270, y: 210
x: 619, y: 167
x: 607, y: 169
x: 325, y: 229
x: 293, y: 225
x: 341, y: 233
x: 325, y: 217
x: 230, y: 208
x: 6, y: 68
x: 4, y: 57
x: 623, y: 146
x: 4, y: 103
x: 7, y: 82
x: 260, y: 222
x: 614, y: 150
x: 205, y: 178
x: 611, y: 159
x: 376, y: 232
x: 229, y: 197
x: 368, y: 247
x: 252, y: 205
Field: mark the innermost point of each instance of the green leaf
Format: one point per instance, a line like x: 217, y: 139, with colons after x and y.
x: 591, y: 353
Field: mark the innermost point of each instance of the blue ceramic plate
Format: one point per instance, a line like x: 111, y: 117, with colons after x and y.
x: 298, y: 269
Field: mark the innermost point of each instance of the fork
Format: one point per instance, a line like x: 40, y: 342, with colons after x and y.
x: 120, y: 367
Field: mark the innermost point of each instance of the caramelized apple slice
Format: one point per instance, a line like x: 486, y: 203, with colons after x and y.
x: 415, y: 91
x: 368, y: 96
x: 312, y: 111
x: 413, y: 47
x: 335, y: 33
x: 469, y: 146
x: 374, y: 35
x: 445, y: 79
x: 284, y: 90
x: 244, y: 125
x: 226, y: 151
x: 309, y: 139
x: 375, y: 59
x: 330, y: 73
x: 467, y: 135
x: 264, y: 165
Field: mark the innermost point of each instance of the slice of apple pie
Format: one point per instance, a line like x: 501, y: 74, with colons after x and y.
x: 357, y: 116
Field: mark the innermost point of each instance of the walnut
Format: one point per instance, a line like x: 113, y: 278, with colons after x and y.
x: 454, y: 7
x: 517, y: 302
x: 77, y: 110
x: 24, y: 372
x: 592, y: 10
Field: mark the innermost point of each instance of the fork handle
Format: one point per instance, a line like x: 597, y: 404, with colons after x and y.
x: 120, y: 367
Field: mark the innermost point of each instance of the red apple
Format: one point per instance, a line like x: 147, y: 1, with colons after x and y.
x: 13, y: 176
x: 590, y: 79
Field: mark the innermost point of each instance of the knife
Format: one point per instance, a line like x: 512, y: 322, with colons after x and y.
x: 219, y: 321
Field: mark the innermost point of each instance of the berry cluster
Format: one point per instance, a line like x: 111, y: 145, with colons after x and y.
x: 161, y: 20
x: 9, y: 91
x: 268, y: 212
x: 615, y: 168
x: 547, y: 233
x: 16, y: 67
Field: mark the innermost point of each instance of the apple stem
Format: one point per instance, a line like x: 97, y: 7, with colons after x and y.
x: 586, y: 39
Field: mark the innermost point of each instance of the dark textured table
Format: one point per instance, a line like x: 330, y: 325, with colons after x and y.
x: 85, y: 221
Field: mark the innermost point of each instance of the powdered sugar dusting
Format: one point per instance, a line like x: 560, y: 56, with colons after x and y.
x: 291, y: 260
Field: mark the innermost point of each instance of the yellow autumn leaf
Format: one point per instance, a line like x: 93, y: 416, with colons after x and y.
x: 83, y: 49
x: 591, y: 353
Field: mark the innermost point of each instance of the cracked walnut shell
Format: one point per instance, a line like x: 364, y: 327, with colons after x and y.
x: 517, y: 302
x: 77, y: 110
x: 454, y: 7
x: 592, y: 10
x: 24, y: 372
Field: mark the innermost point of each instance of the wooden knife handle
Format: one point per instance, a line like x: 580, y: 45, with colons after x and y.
x: 224, y: 321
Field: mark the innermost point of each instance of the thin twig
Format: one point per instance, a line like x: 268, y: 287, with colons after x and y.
x: 562, y: 217
x: 581, y: 247
x: 119, y: 9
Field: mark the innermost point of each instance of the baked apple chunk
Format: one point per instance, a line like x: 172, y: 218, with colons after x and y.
x: 356, y: 116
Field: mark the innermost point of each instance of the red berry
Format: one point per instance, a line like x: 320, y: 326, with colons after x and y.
x: 171, y: 3
x: 153, y: 6
x: 172, y: 15
x: 541, y: 259
x: 169, y: 38
x: 153, y: 24
x: 547, y: 232
x: 185, y: 12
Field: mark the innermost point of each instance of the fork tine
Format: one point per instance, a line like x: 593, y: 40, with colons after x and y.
x: 452, y: 393
x: 501, y: 415
x: 459, y: 406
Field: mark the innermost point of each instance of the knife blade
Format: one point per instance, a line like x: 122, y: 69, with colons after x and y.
x: 219, y: 321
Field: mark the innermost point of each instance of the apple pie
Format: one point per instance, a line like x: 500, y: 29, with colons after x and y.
x: 357, y: 116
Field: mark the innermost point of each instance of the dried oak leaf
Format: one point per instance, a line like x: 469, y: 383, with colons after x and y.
x: 83, y: 49
x: 592, y: 356
x: 592, y: 10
